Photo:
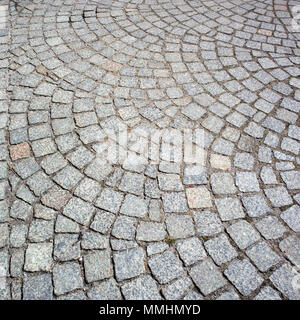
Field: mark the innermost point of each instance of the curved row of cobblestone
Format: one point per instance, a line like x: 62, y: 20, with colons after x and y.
x: 81, y: 226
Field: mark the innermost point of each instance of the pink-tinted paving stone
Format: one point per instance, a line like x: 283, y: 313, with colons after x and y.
x: 19, y: 151
x: 280, y: 7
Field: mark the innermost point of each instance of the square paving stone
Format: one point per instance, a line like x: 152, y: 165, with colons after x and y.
x: 93, y: 240
x: 193, y: 111
x: 194, y: 174
x: 170, y: 182
x: 39, y: 132
x: 220, y: 249
x: 98, y: 169
x: 290, y: 246
x: 87, y: 189
x: 151, y: 189
x: 246, y: 181
x: 79, y: 210
x: 38, y: 287
x: 278, y: 196
x: 243, y: 161
x: 270, y: 227
x: 165, y: 267
x: 62, y: 126
x: 283, y: 279
x: 190, y: 250
x: 222, y: 183
x: 129, y: 263
x: 134, y: 206
x: 220, y: 162
x: 18, y: 234
x: 263, y: 256
x: 229, y: 208
x: 38, y: 257
x: 207, y: 277
x: 243, y: 234
x: 97, y: 266
x: 56, y: 197
x: 53, y: 163
x: 291, y: 217
x: 106, y: 290
x: 207, y: 223
x: 180, y: 226
x: 124, y: 228
x: 68, y: 177
x: 43, y: 147
x: 150, y: 231
x: 26, y: 167
x: 21, y: 210
x: 132, y: 183
x: 40, y: 230
x: 223, y: 146
x: 67, y: 142
x: 80, y: 157
x: 109, y: 200
x: 174, y: 202
x: 62, y: 96
x: 142, y: 288
x: 291, y: 179
x: 67, y: 277
x: 66, y: 247
x: 256, y: 206
x: 177, y: 289
x: 198, y: 197
x: 102, y: 221
x: 244, y: 276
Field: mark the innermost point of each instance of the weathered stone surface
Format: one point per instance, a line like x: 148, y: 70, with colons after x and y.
x: 97, y: 266
x: 142, y: 288
x: 243, y: 276
x: 180, y: 226
x: 19, y: 151
x: 106, y: 290
x: 207, y: 277
x: 67, y: 277
x: 165, y: 267
x: 38, y: 287
x: 38, y: 257
x: 129, y: 263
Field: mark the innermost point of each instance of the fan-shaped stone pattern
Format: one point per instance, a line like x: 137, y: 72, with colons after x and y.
x: 103, y: 227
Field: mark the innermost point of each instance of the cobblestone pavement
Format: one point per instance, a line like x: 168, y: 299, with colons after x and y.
x: 74, y: 225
